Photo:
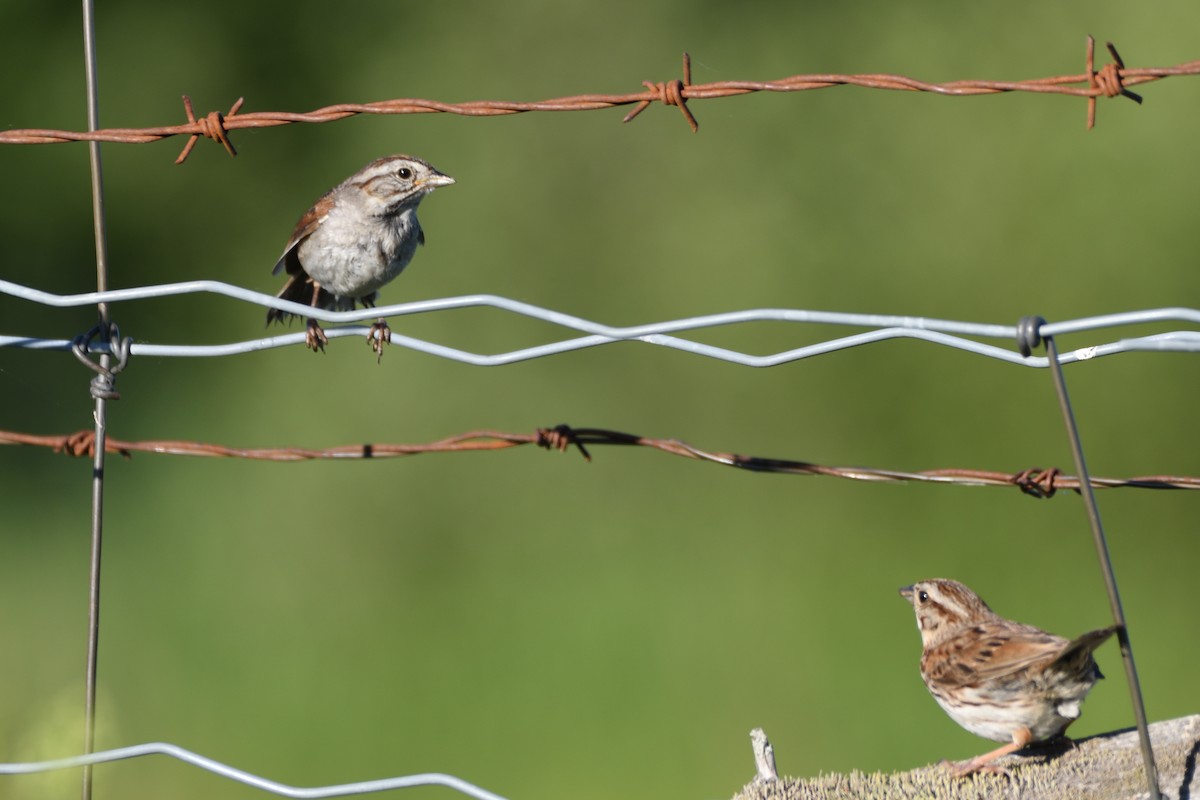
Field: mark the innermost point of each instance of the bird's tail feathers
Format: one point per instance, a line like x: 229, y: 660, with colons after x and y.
x: 1081, y: 647
x: 298, y: 289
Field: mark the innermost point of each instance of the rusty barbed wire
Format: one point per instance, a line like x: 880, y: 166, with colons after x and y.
x: 1112, y: 80
x: 1036, y: 482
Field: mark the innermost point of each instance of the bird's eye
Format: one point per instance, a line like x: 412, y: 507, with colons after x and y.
x: 405, y: 173
x: 923, y: 597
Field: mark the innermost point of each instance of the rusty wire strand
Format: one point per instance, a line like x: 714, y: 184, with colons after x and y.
x: 1112, y: 80
x: 1036, y: 482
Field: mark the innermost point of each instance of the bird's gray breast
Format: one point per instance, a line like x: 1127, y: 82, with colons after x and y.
x: 352, y: 257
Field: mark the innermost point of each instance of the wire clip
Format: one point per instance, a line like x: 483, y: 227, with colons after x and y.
x: 102, y: 384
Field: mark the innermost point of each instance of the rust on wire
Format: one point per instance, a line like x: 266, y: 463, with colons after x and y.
x: 1112, y: 80
x: 1036, y: 482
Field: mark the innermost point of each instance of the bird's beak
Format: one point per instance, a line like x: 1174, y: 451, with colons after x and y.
x: 906, y: 592
x: 434, y: 181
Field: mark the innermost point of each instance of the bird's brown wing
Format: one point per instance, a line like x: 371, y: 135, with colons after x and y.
x: 304, y: 228
x: 299, y: 287
x: 990, y: 651
x: 1002, y: 650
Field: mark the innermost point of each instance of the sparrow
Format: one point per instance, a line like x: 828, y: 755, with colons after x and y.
x: 354, y: 240
x: 999, y: 679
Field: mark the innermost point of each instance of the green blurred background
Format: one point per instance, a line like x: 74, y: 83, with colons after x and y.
x: 539, y: 625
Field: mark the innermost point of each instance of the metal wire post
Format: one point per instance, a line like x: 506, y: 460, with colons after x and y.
x: 93, y: 639
x: 1110, y: 580
x: 100, y: 411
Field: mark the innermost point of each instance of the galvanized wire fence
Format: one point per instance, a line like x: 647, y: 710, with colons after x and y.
x: 884, y: 327
x: 248, y: 778
x: 112, y: 352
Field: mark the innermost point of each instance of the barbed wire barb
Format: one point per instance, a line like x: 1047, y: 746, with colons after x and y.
x: 671, y: 93
x: 1112, y: 80
x: 211, y: 127
x: 1107, y: 80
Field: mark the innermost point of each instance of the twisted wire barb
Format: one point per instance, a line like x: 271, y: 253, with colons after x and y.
x: 241, y: 776
x: 1036, y: 482
x: 950, y: 333
x: 1111, y: 81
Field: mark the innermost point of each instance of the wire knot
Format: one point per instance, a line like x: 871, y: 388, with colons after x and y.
x: 211, y: 126
x: 560, y: 438
x: 103, y: 384
x: 1109, y: 80
x: 1037, y: 482
x: 670, y: 93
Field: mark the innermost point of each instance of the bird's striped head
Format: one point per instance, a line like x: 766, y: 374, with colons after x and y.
x: 393, y: 183
x: 944, y: 607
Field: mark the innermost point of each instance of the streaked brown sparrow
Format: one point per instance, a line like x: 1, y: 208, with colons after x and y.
x: 357, y: 237
x: 997, y: 678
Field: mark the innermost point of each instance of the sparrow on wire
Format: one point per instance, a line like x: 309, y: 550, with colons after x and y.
x: 355, y: 239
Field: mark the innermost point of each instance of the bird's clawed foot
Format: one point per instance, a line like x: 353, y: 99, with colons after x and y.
x: 983, y: 763
x: 314, y: 336
x: 379, y: 335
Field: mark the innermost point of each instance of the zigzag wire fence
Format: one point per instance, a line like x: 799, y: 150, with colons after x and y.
x: 250, y: 779
x: 1111, y: 81
x: 949, y: 333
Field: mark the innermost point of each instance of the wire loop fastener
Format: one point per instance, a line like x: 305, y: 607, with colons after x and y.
x: 102, y: 384
x: 1029, y: 336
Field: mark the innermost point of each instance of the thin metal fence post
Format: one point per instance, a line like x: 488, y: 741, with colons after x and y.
x: 101, y: 402
x: 1028, y: 330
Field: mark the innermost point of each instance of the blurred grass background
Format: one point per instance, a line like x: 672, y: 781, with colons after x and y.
x: 538, y: 625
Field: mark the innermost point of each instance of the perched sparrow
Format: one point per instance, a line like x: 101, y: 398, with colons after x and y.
x: 358, y: 236
x: 999, y: 679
